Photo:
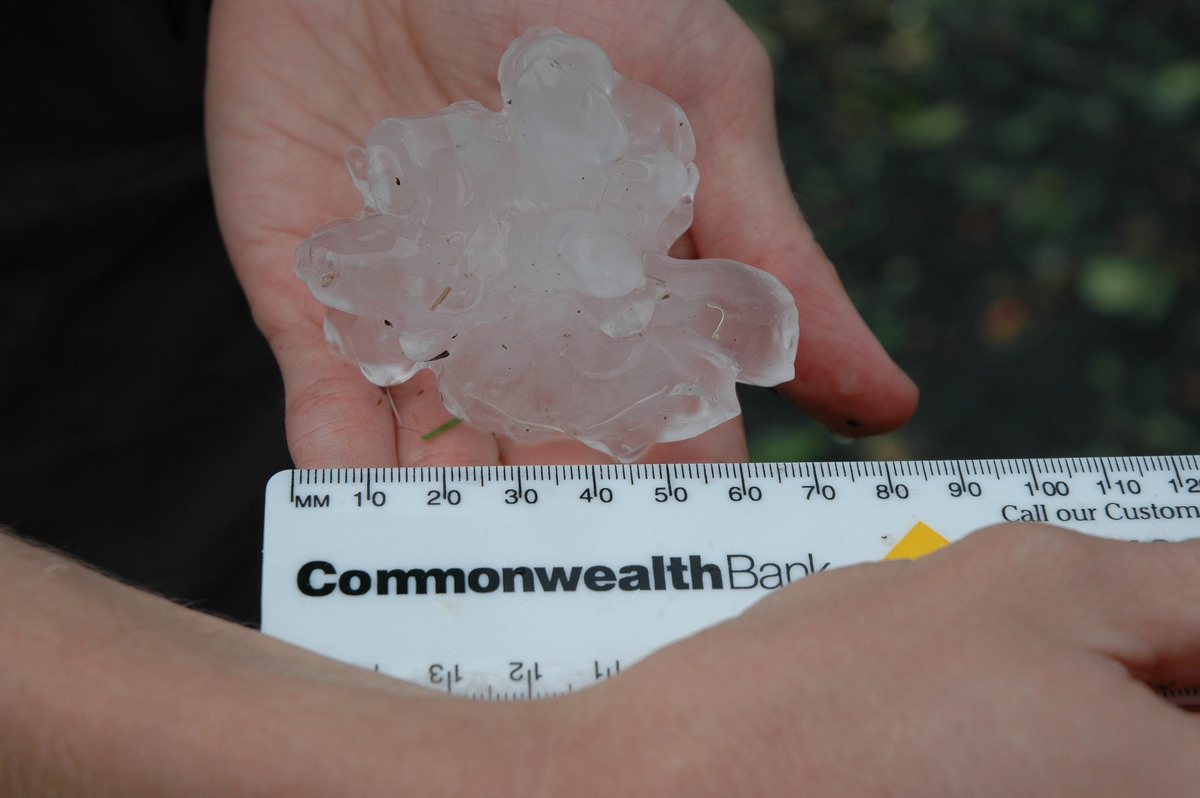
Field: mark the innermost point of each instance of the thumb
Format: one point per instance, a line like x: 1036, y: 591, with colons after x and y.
x: 844, y: 378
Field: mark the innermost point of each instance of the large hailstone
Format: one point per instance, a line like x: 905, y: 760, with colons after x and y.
x: 520, y: 255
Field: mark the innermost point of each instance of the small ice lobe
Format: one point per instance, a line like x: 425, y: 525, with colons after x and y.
x: 521, y: 255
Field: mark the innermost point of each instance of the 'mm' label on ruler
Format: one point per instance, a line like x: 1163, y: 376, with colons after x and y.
x: 517, y: 582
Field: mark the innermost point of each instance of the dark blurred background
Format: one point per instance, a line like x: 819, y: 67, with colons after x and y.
x: 1011, y: 191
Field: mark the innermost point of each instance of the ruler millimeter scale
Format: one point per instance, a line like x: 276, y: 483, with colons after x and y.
x: 520, y: 582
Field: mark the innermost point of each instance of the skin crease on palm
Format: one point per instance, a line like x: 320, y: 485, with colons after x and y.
x: 292, y: 85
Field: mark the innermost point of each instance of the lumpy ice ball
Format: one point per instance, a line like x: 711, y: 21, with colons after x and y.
x: 520, y: 255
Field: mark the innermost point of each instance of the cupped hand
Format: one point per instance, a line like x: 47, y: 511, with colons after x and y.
x: 293, y: 83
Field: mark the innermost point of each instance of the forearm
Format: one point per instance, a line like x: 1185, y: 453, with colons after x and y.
x: 107, y: 690
x: 822, y: 689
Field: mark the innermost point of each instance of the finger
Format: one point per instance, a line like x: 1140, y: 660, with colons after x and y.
x: 1150, y: 593
x: 427, y: 434
x: 844, y: 378
x: 334, y: 417
x: 1137, y: 603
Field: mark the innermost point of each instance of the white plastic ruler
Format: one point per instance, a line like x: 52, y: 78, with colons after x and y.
x: 512, y: 583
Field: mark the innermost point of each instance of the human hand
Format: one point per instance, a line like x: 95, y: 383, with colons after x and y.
x: 293, y: 83
x: 1013, y: 663
x: 1010, y: 664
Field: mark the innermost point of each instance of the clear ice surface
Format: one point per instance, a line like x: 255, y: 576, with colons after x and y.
x: 521, y: 255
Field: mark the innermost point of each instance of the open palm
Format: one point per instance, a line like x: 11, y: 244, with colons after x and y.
x: 293, y: 83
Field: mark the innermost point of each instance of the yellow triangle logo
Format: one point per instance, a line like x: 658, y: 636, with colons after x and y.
x: 919, y: 541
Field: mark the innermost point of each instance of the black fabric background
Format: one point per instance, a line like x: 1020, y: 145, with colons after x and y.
x: 140, y: 410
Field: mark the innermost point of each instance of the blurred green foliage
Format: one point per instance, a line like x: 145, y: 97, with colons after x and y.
x: 1011, y: 191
